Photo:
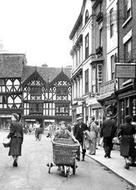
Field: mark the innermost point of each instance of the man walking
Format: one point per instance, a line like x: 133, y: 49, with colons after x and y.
x: 78, y: 132
x: 108, y: 132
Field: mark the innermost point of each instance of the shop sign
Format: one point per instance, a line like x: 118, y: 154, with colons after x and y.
x: 125, y: 70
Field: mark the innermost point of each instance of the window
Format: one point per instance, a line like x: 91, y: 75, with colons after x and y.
x: 93, y: 79
x: 111, y: 23
x: 87, y: 81
x: 99, y: 76
x: 62, y: 109
x: 36, y: 108
x: 127, y: 9
x: 100, y: 37
x: 112, y: 67
x: 2, y: 82
x: 3, y: 99
x: 36, y: 91
x: 128, y: 51
x: 86, y: 16
x: 86, y: 46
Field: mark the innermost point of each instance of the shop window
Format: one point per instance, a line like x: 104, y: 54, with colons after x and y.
x: 134, y: 107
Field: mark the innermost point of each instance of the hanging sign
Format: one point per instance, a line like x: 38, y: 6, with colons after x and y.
x: 124, y: 70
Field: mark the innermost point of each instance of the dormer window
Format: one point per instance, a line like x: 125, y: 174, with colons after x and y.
x: 86, y: 16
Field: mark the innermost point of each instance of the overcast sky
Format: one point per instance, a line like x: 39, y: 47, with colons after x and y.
x: 39, y: 28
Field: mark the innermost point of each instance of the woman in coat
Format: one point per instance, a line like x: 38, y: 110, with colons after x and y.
x: 126, y: 135
x: 16, y: 135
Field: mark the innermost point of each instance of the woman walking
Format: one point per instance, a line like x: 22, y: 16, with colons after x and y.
x: 16, y: 135
x: 125, y: 134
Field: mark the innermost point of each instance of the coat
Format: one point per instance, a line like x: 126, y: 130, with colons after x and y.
x: 108, y: 128
x: 126, y: 133
x: 16, y: 135
x: 78, y: 131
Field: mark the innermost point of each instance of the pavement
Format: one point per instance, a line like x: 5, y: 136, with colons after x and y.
x: 115, y: 164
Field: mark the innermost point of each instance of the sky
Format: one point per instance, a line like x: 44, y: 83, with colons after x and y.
x: 40, y: 29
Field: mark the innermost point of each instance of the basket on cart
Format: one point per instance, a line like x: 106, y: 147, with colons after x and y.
x: 64, y: 153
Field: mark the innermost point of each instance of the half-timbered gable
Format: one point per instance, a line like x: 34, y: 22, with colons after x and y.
x: 33, y: 92
x: 60, y: 88
x: 11, y: 66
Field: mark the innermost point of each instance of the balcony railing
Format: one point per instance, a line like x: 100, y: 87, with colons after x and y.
x: 107, y: 87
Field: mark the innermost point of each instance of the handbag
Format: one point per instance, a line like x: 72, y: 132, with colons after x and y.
x: 6, y: 142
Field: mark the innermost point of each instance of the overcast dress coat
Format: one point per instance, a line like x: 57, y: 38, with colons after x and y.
x: 126, y: 133
x: 16, y: 135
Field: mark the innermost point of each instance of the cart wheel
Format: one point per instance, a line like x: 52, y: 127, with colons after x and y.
x: 67, y: 172
x: 49, y: 170
x: 74, y: 168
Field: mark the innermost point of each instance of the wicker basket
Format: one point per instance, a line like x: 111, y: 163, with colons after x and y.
x: 64, y: 152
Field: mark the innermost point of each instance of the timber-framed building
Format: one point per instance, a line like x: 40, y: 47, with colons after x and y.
x: 33, y: 92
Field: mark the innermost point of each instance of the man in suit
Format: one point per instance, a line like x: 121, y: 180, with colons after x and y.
x: 108, y: 131
x: 78, y: 132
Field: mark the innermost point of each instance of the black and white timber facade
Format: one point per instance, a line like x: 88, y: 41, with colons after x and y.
x: 34, y: 92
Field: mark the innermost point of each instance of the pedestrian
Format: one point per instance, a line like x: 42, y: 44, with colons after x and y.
x: 125, y: 134
x: 92, y: 136
x: 78, y: 131
x: 108, y: 131
x: 38, y: 129
x: 16, y: 135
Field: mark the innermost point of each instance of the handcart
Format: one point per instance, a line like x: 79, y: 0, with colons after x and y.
x: 64, y: 155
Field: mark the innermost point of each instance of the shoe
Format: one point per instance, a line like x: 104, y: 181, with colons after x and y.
x: 105, y: 155
x: 127, y: 166
x: 109, y: 156
x: 77, y: 158
x: 15, y: 163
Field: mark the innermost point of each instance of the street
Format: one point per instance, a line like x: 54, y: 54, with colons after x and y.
x: 32, y: 173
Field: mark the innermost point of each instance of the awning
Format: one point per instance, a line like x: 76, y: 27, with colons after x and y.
x: 104, y: 96
x: 93, y: 103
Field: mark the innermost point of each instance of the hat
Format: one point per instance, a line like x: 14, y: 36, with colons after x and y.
x: 16, y: 116
x: 79, y: 118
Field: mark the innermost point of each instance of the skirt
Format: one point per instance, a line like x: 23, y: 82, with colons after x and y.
x: 15, y: 146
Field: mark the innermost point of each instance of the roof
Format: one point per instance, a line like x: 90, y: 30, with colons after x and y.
x: 47, y: 73
x: 78, y: 21
x: 11, y: 65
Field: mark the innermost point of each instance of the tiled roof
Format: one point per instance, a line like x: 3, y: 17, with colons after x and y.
x: 11, y: 65
x: 47, y: 73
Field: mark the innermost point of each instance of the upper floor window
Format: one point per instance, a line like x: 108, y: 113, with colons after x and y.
x: 99, y: 76
x: 2, y: 82
x: 128, y: 51
x: 127, y: 9
x: 87, y: 46
x: 111, y: 23
x: 112, y: 67
x: 86, y: 16
x: 35, y: 91
x: 87, y: 81
x: 100, y: 37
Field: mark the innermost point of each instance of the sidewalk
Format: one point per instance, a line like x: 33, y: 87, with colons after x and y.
x: 115, y: 164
